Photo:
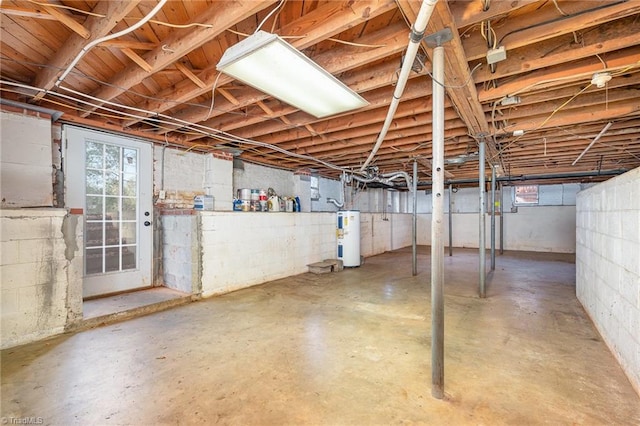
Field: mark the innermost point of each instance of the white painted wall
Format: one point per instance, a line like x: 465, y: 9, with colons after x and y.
x: 40, y: 273
x: 329, y: 188
x: 181, y: 253
x: 608, y: 265
x: 244, y: 249
x: 261, y: 177
x: 218, y: 181
x: 25, y: 160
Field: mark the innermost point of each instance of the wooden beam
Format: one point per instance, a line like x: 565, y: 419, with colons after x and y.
x: 68, y: 21
x: 376, y: 77
x: 416, y: 88
x: 128, y: 44
x: 25, y: 13
x: 610, y: 37
x: 471, y: 12
x: 99, y: 27
x: 545, y: 24
x: 461, y: 89
x: 190, y: 75
x: 614, y: 110
x: 325, y: 21
x: 228, y: 96
x: 334, y: 61
x: 562, y: 74
x: 137, y: 59
x: 215, y: 20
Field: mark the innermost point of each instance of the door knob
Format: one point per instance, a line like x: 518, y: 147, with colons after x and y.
x: 147, y: 223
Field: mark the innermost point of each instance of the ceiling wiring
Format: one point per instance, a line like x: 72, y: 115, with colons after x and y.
x: 162, y: 118
x: 269, y: 15
x: 62, y: 6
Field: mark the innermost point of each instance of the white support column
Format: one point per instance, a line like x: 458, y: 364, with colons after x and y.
x: 482, y: 210
x: 415, y: 218
x: 437, y: 228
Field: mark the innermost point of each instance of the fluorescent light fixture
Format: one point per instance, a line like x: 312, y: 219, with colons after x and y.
x: 271, y: 65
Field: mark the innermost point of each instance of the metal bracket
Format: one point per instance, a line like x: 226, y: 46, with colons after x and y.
x: 439, y: 38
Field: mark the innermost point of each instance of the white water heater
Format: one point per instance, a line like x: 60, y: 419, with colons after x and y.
x: 348, y: 232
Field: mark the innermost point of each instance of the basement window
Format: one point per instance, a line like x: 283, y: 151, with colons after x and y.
x: 315, y: 187
x: 525, y: 195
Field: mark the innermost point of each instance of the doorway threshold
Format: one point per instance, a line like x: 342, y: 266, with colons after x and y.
x: 123, y: 306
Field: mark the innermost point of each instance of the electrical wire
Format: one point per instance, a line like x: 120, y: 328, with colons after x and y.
x: 463, y: 85
x: 61, y: 6
x: 213, y: 94
x: 164, y: 119
x: 269, y: 15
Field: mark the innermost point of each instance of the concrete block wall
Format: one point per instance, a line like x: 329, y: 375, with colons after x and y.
x: 179, y: 174
x: 608, y: 265
x: 40, y: 272
x: 261, y: 177
x: 26, y: 178
x: 218, y: 180
x: 329, y: 188
x: 181, y: 251
x: 244, y: 249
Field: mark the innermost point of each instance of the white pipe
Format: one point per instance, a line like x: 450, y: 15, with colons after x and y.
x: 414, y: 216
x: 109, y: 37
x: 343, y: 181
x: 417, y: 32
x: 592, y: 142
x: 482, y: 243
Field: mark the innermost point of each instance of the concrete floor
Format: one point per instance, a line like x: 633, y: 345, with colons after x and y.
x: 350, y: 347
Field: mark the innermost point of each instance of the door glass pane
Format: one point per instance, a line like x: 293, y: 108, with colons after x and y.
x: 95, y: 182
x: 93, y: 259
x: 129, y: 208
x: 111, y: 259
x: 128, y: 257
x: 129, y: 184
x: 112, y: 183
x: 128, y: 233
x: 95, y: 207
x: 94, y: 234
x: 112, y: 158
x: 111, y: 226
x: 94, y: 155
x: 112, y: 208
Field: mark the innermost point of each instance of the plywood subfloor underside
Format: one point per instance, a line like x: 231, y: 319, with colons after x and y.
x: 351, y: 347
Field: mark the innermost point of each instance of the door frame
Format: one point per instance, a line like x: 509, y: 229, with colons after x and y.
x: 74, y: 138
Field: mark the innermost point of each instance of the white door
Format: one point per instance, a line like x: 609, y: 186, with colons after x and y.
x: 110, y: 177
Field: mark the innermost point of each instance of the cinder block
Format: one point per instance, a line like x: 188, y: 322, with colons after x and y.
x: 338, y: 264
x: 320, y: 268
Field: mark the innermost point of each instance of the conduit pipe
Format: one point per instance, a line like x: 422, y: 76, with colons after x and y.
x: 414, y: 246
x: 109, y: 37
x: 339, y: 204
x: 482, y: 243
x: 450, y: 220
x: 507, y: 179
x: 493, y: 218
x: 602, y: 132
x: 417, y: 33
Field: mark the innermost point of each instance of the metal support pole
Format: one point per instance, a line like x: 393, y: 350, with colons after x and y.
x: 437, y: 242
x: 493, y: 217
x: 450, y: 221
x: 501, y: 219
x: 415, y: 218
x: 482, y: 243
